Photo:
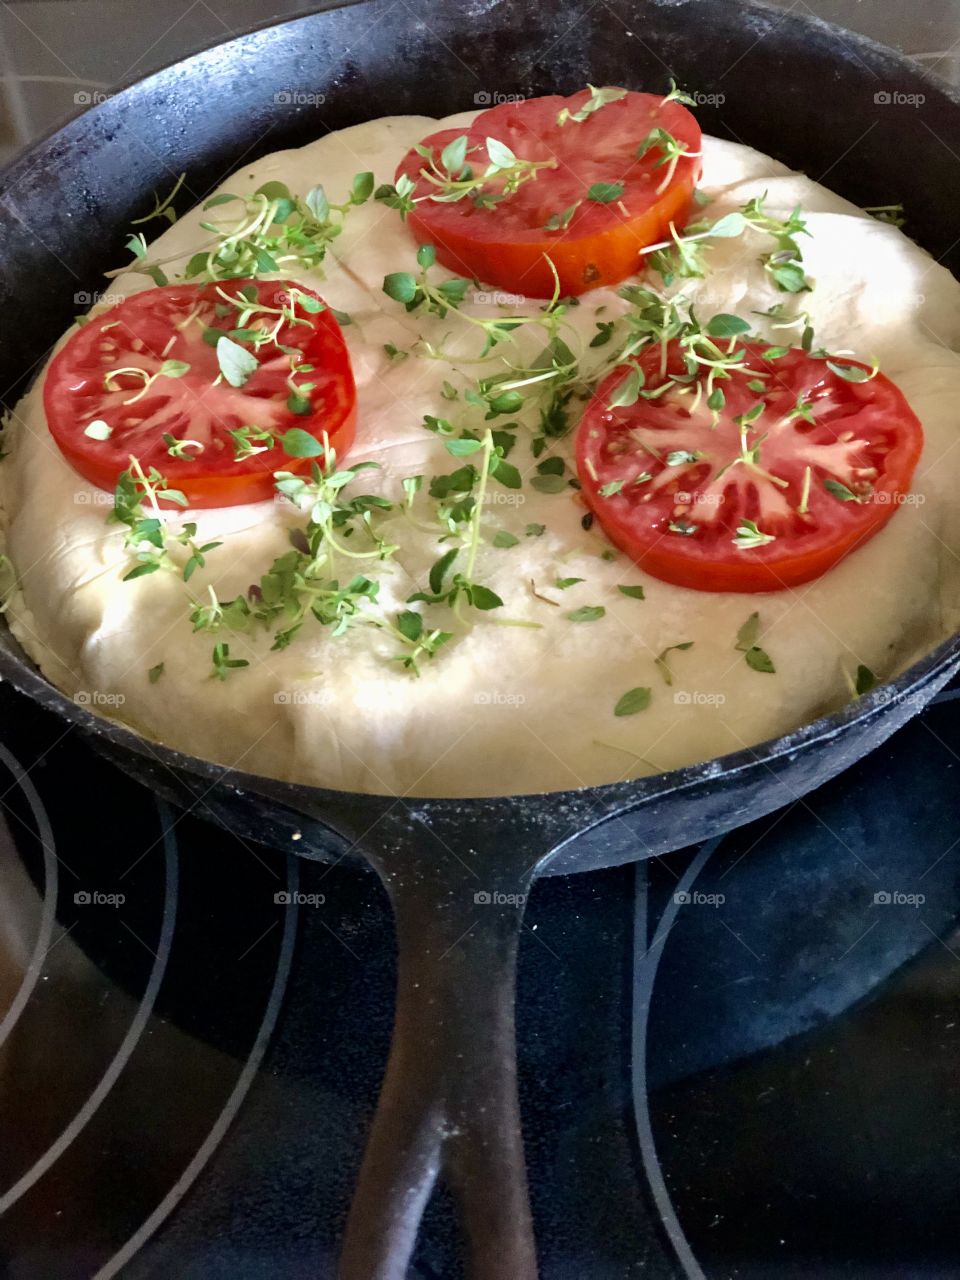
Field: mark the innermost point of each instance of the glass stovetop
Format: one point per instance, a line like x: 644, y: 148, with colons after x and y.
x: 761, y: 1082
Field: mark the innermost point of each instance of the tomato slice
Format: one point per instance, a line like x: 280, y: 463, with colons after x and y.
x: 111, y: 372
x: 703, y: 501
x: 608, y: 188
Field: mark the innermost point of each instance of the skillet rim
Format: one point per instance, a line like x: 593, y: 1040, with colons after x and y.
x: 915, y: 681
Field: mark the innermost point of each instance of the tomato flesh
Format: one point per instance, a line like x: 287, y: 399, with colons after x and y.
x: 667, y: 481
x: 507, y: 245
x: 141, y: 333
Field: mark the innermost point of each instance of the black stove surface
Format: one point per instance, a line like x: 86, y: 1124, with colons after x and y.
x: 740, y: 1060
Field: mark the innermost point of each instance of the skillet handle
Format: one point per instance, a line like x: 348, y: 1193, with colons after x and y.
x: 449, y: 1098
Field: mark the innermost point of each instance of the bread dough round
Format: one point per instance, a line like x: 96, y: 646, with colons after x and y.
x: 502, y: 708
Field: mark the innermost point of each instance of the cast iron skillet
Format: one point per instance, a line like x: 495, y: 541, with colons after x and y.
x: 458, y: 871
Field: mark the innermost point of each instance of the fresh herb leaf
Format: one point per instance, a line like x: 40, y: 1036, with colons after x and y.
x: 463, y: 448
x: 439, y: 570
x: 840, y: 491
x: 748, y: 633
x: 410, y: 625
x: 504, y: 539
x: 297, y: 443
x: 865, y: 680
x: 548, y: 483
x: 632, y: 701
x: 850, y: 372
x: 223, y: 664
x: 628, y: 392
x: 236, y: 362
x: 760, y: 660
x: 598, y: 98
x: 483, y: 598
x: 605, y: 192
x: 748, y: 535
x: 561, y: 221
x: 660, y: 661
x: 726, y: 326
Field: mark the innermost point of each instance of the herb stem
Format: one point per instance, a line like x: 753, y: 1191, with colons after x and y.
x: 478, y: 509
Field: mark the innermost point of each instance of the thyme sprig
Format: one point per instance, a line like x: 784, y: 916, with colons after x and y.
x: 273, y: 229
x: 136, y: 504
x: 683, y: 255
x: 456, y: 175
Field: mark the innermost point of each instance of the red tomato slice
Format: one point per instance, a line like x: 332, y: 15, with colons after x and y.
x: 180, y: 323
x: 599, y: 242
x: 670, y: 488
